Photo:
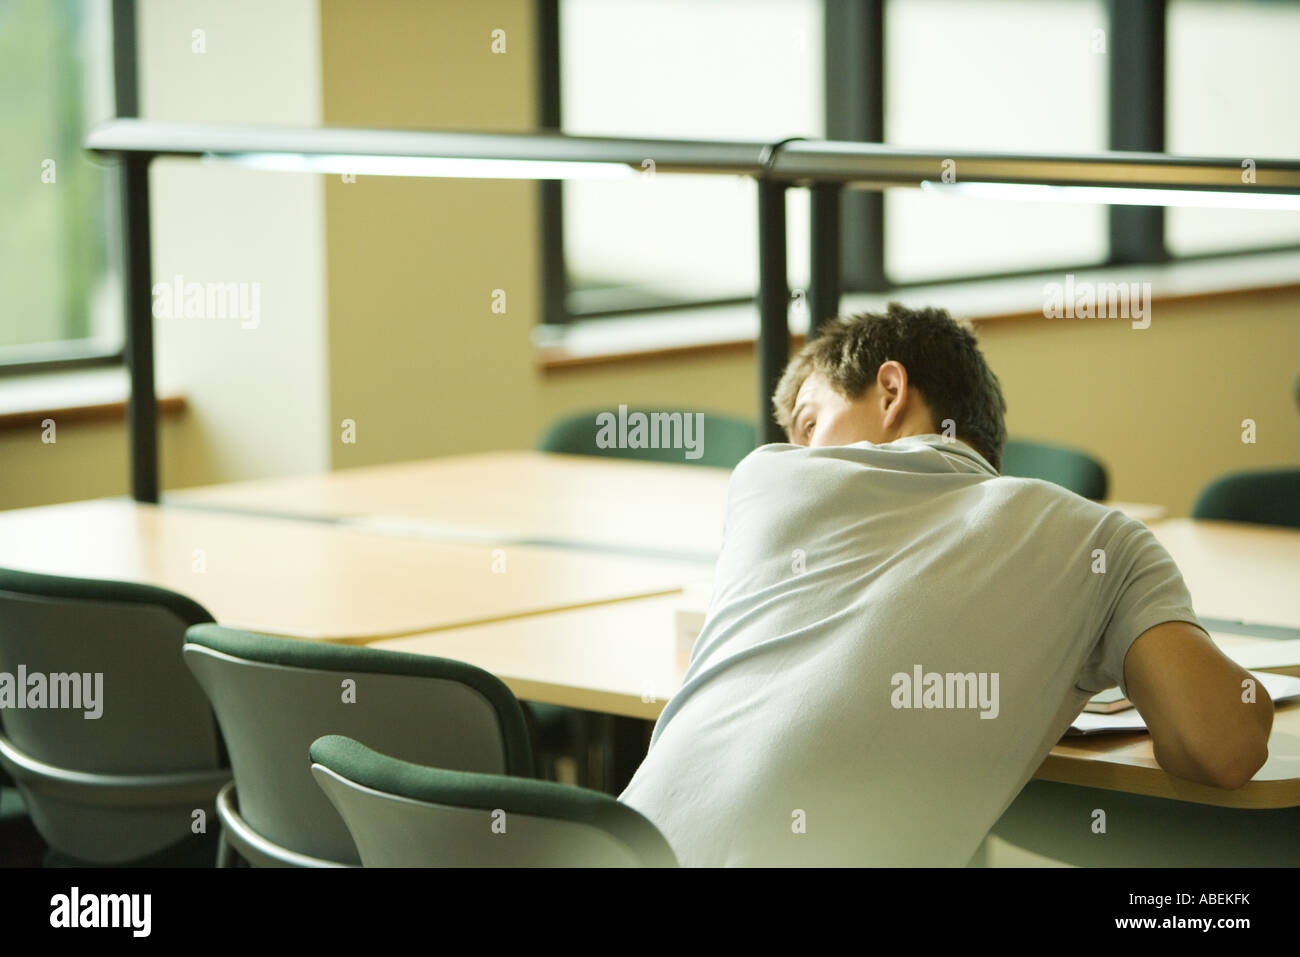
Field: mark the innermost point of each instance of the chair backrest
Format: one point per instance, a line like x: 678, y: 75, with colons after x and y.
x: 405, y: 815
x: 726, y: 439
x: 123, y: 746
x: 275, y: 696
x: 1266, y: 498
x: 1068, y: 467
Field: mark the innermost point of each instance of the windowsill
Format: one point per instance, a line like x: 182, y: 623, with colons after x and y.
x: 732, y: 328
x: 84, y: 395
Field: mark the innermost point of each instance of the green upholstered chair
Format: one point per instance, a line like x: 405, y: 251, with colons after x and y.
x: 726, y: 440
x: 1068, y: 467
x: 275, y: 696
x: 407, y: 815
x: 1266, y: 498
x: 122, y: 787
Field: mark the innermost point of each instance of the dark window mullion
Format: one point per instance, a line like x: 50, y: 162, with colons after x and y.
x: 1136, y: 47
x: 554, y: 271
x: 855, y: 111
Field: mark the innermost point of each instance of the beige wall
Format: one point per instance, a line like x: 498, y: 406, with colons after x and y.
x: 89, y: 460
x: 1162, y: 406
x: 411, y: 350
x: 257, y: 396
x: 417, y: 357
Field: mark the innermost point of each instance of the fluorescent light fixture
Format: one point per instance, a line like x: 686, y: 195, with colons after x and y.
x: 458, y: 168
x: 1117, y: 195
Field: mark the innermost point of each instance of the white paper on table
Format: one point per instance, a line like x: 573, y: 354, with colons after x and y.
x: 1279, y: 688
x: 1260, y: 653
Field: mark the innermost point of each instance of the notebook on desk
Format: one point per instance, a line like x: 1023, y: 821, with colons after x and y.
x: 1279, y: 688
x: 1251, y: 653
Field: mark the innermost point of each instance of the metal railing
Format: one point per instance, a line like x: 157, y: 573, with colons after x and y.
x: 825, y: 167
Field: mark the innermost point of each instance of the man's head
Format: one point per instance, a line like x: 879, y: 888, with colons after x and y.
x: 880, y: 377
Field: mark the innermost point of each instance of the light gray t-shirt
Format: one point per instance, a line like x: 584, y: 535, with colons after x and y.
x: 809, y: 729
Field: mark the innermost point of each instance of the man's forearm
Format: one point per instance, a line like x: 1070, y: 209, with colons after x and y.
x: 1192, y: 697
x: 1229, y: 764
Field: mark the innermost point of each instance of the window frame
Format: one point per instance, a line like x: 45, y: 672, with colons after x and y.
x: 854, y: 77
x: 63, y: 355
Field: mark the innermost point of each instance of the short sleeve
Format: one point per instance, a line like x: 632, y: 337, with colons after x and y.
x: 1144, y: 589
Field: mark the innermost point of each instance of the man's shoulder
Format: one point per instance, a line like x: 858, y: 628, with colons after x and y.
x: 767, y: 457
x: 785, y: 467
x: 1053, y: 504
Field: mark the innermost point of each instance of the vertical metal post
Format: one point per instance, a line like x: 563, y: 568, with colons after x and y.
x: 551, y: 192
x: 824, y: 296
x: 137, y: 268
x: 855, y: 110
x: 137, y: 286
x: 773, y: 347
x: 1136, y: 51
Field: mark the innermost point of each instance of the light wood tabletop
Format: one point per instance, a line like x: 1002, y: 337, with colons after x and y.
x: 615, y: 659
x: 1237, y: 572
x: 531, y: 497
x: 1125, y: 762
x: 314, y: 580
x: 623, y: 659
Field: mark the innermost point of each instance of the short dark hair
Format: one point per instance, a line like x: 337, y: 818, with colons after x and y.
x: 942, y: 359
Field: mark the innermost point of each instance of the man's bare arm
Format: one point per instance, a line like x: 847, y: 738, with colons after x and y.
x: 1190, y: 695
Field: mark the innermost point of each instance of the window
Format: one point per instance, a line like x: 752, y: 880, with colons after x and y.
x: 56, y: 264
x: 726, y: 69
x: 1232, y: 80
x: 1003, y: 75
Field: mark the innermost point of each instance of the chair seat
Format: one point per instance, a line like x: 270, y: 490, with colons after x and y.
x: 117, y: 778
x: 1270, y: 497
x: 110, y: 819
x: 402, y: 814
x: 199, y: 851
x: 253, y: 847
x: 165, y: 789
x: 723, y: 442
x: 1067, y: 467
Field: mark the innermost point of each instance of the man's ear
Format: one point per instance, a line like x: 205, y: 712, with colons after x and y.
x: 891, y: 377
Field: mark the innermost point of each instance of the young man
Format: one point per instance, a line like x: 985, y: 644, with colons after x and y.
x: 898, y: 635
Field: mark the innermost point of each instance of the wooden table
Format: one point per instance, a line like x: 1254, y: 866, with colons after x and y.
x: 1237, y: 572
x: 525, y: 497
x: 1126, y: 762
x: 315, y: 580
x: 1154, y: 819
x: 623, y: 659
x: 619, y: 659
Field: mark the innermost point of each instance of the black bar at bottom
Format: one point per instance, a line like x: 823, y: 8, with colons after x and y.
x: 137, y: 287
x: 824, y: 296
x: 773, y: 302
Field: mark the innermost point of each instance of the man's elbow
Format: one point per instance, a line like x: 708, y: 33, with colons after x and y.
x: 1238, y: 757
x: 1228, y: 761
x: 1231, y: 771
x: 1238, y: 764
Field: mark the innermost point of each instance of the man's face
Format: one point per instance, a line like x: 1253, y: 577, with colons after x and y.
x: 824, y: 417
